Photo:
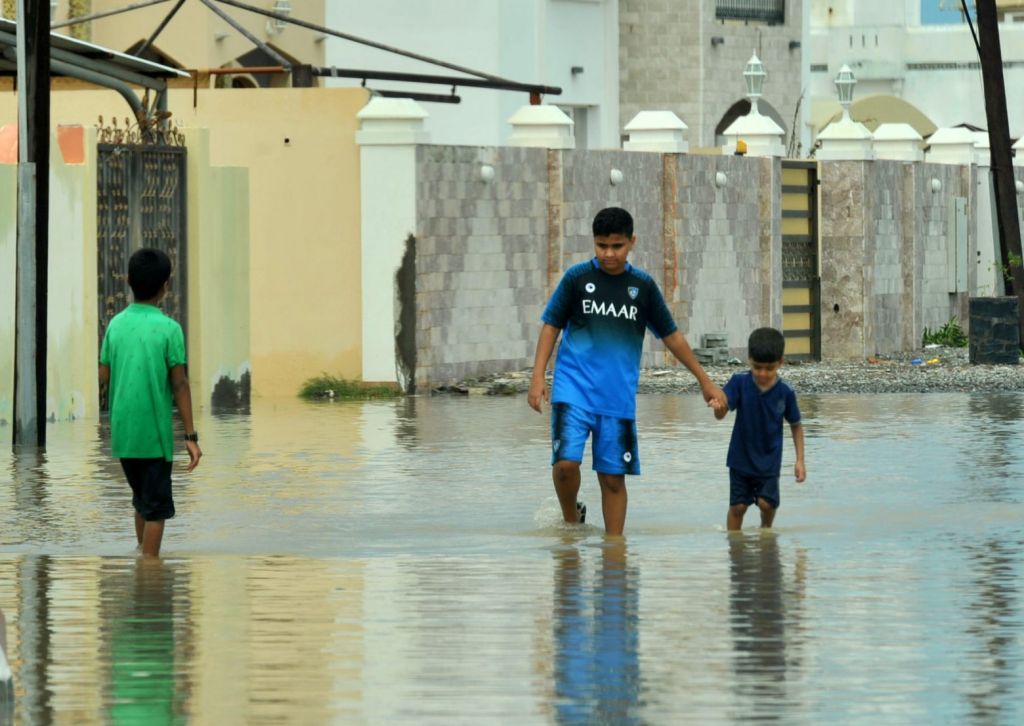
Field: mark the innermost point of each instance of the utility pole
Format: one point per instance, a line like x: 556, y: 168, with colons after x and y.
x: 991, y: 55
x: 33, y: 59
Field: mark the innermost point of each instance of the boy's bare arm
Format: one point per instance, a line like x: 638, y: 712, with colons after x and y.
x: 183, y: 399
x: 799, y: 470
x: 678, y: 346
x: 538, y: 384
x: 104, y: 374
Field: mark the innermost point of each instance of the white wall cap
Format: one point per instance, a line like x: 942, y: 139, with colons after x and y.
x: 845, y: 129
x: 391, y: 121
x: 657, y: 131
x: 958, y: 135
x: 379, y: 107
x: 951, y: 146
x: 541, y: 126
x: 1018, y: 158
x: 896, y: 132
x: 655, y: 121
x: 754, y: 124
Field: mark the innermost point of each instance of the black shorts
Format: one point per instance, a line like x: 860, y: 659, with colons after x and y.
x: 150, y: 480
x: 747, y: 489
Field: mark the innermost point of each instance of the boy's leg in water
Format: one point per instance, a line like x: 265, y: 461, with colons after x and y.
x: 613, y: 502
x: 734, y: 517
x: 152, y: 536
x: 767, y: 512
x: 566, y: 477
x: 140, y: 526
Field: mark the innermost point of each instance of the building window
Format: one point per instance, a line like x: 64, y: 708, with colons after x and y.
x: 763, y: 11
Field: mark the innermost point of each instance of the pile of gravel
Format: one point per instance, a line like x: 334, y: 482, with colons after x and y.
x: 928, y: 370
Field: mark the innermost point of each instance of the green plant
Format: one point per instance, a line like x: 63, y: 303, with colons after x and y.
x: 949, y: 334
x: 325, y: 387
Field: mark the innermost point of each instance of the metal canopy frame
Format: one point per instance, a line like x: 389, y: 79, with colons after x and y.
x: 475, y: 79
x: 100, y: 66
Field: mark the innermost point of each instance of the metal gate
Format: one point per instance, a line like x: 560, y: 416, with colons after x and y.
x: 801, y: 283
x: 140, y: 202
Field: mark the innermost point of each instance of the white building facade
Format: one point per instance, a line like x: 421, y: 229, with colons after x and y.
x: 570, y: 44
x: 915, y: 50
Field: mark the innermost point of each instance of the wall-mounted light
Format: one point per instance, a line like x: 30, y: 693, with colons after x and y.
x: 1020, y: 186
x: 615, y: 177
x: 936, y: 185
x: 721, y: 179
x: 794, y: 44
x: 219, y: 36
x: 486, y: 173
x: 281, y: 7
x: 716, y: 40
x: 576, y: 70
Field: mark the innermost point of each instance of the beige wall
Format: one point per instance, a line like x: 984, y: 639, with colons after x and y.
x: 304, y: 249
x: 191, y: 36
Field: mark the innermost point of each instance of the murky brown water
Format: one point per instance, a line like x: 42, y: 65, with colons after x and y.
x: 402, y: 562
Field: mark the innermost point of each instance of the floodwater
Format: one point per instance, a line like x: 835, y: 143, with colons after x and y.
x: 402, y: 562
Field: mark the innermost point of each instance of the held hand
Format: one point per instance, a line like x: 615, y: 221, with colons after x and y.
x: 538, y: 395
x: 194, y: 454
x: 800, y: 471
x: 714, y: 396
x: 719, y: 407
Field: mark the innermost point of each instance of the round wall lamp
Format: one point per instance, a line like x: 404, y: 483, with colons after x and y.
x: 721, y: 179
x: 615, y: 177
x: 486, y: 173
x: 1020, y: 186
x: 936, y: 185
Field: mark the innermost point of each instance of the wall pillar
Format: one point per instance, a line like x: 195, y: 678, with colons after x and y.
x: 390, y: 129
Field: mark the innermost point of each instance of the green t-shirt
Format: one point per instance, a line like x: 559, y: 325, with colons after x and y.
x: 141, y: 346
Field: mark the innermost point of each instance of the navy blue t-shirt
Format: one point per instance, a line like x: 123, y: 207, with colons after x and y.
x: 756, y: 445
x: 603, y: 318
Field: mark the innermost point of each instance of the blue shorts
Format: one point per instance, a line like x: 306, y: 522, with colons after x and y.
x: 746, y: 489
x: 614, y: 444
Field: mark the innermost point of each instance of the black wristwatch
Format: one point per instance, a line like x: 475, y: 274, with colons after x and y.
x: 194, y: 436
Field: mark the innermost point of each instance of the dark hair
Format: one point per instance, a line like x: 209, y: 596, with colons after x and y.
x: 613, y: 220
x: 766, y: 345
x: 148, y: 270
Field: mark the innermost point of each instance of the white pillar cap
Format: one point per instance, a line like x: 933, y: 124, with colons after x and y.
x: 657, y: 131
x: 845, y: 139
x: 1018, y: 158
x: 389, y: 121
x: 761, y: 134
x: 542, y: 126
x: 951, y: 146
x: 898, y: 142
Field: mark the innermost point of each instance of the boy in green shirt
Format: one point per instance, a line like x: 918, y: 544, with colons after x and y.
x: 142, y: 360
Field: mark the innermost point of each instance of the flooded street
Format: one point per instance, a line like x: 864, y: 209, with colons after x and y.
x: 402, y: 562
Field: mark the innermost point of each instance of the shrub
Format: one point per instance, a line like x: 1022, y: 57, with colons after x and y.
x: 949, y: 334
x: 325, y: 387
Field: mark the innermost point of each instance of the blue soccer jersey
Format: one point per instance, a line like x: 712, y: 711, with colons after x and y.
x: 603, y: 319
x: 756, y: 445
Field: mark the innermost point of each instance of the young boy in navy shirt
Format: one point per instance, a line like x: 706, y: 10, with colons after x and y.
x: 602, y: 308
x: 761, y: 401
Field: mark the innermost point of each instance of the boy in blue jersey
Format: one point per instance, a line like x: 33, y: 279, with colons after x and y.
x: 602, y: 309
x: 761, y: 401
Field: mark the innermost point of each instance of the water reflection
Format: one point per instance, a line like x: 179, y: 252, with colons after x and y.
x: 6, y: 676
x: 145, y: 685
x: 993, y: 611
x: 597, y: 669
x: 762, y: 607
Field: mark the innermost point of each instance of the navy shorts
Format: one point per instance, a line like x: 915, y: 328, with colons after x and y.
x: 150, y: 480
x: 746, y: 489
x: 613, y: 446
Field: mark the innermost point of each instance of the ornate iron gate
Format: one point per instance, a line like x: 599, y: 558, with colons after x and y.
x: 140, y: 202
x: 801, y: 283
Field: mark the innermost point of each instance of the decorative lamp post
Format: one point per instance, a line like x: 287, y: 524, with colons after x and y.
x: 844, y: 87
x: 753, y: 74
